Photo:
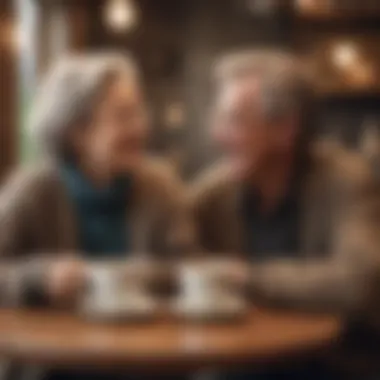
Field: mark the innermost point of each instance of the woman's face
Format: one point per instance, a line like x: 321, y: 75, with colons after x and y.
x: 115, y: 138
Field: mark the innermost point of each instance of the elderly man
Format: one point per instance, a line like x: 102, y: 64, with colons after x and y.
x: 306, y: 219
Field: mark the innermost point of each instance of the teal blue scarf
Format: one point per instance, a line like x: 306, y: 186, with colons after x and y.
x: 101, y: 214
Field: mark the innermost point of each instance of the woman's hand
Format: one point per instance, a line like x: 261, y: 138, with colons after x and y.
x: 65, y: 280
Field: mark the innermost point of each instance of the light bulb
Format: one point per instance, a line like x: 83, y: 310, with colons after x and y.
x: 120, y: 15
x: 306, y: 5
x: 344, y: 55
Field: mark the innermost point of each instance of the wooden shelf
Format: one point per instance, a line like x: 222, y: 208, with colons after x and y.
x: 342, y: 10
x: 325, y: 95
x: 334, y: 16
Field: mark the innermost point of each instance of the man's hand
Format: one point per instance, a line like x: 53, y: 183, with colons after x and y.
x: 65, y: 279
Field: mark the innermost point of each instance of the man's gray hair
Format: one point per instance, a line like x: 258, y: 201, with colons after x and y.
x: 283, y: 84
x: 69, y: 93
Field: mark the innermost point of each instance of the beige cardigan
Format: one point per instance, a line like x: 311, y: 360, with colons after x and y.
x: 37, y: 221
x: 340, y: 233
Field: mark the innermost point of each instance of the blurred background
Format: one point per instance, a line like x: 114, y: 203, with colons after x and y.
x: 176, y: 42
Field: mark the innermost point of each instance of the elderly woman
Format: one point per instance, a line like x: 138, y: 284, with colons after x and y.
x: 96, y: 195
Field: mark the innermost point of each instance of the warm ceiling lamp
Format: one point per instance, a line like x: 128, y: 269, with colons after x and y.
x: 314, y: 7
x: 120, y: 15
x: 306, y: 5
x: 344, y: 55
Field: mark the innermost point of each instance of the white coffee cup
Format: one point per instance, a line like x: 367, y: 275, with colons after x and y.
x: 105, y: 285
x: 196, y: 286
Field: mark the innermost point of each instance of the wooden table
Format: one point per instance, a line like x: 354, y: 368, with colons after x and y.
x: 56, y: 339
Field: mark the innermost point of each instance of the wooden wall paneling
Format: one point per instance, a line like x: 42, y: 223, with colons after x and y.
x: 77, y: 15
x: 8, y: 86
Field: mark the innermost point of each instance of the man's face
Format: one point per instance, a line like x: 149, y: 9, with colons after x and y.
x: 243, y: 132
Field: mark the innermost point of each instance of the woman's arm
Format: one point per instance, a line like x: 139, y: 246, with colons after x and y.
x: 18, y: 273
x: 28, y: 276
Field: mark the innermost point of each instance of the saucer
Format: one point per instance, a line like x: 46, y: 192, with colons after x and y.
x: 226, y: 307
x: 127, y: 307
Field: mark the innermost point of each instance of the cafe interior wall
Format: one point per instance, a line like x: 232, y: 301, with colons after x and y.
x: 156, y: 43
x: 346, y: 111
x: 8, y: 90
x: 176, y: 42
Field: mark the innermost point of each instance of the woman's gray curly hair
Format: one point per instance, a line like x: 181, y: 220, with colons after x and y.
x: 69, y: 93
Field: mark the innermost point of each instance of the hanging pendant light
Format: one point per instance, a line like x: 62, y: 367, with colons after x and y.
x: 121, y: 15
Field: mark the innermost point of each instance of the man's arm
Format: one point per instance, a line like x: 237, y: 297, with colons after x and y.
x: 319, y: 285
x: 343, y: 281
x: 180, y: 230
x: 164, y: 196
